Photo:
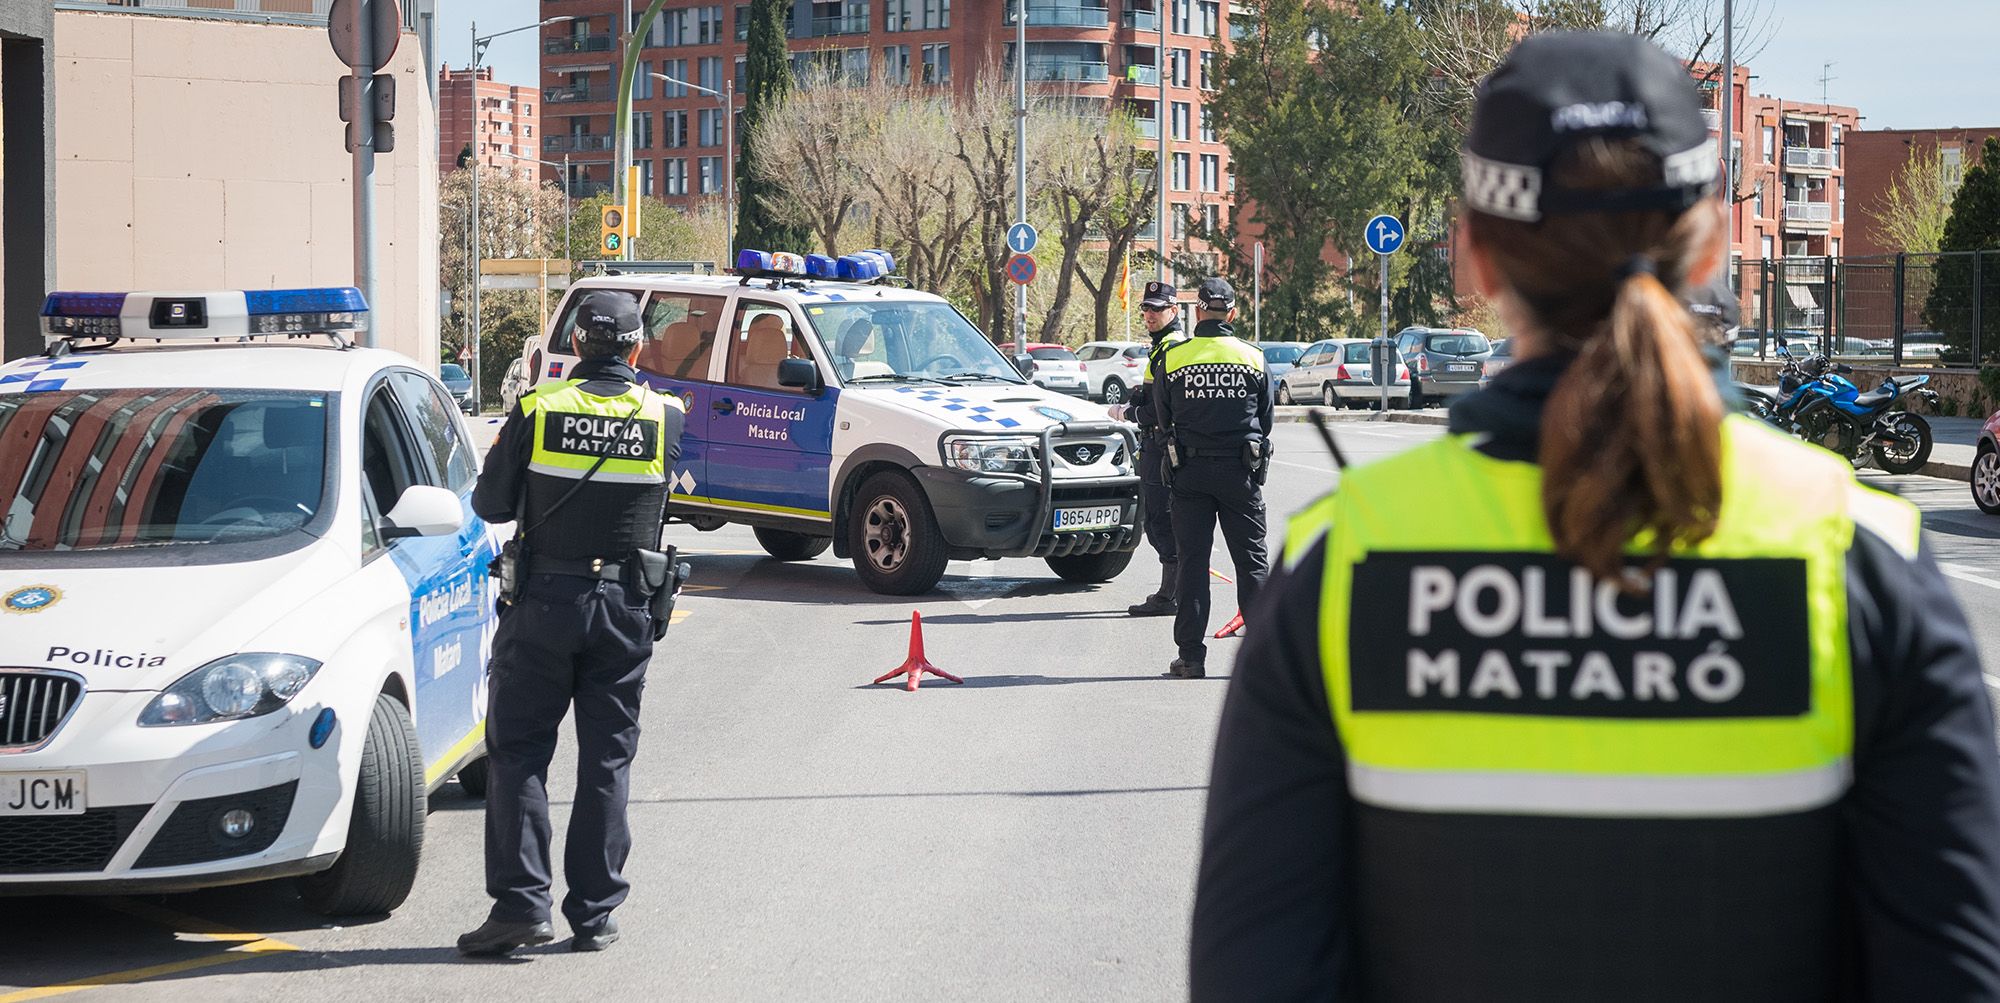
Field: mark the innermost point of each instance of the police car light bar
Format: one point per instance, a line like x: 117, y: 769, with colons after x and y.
x: 863, y: 266
x: 203, y: 315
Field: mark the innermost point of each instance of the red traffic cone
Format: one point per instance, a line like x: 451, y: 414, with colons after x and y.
x: 916, y: 665
x: 1233, y: 627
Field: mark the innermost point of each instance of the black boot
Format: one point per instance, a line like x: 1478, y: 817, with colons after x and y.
x: 498, y: 938
x: 1182, y: 668
x: 1162, y: 602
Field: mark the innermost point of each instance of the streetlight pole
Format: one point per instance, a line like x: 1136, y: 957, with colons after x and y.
x: 1021, y: 160
x: 479, y: 43
x: 1164, y: 166
x: 727, y: 97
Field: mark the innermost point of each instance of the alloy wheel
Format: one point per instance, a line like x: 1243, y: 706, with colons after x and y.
x: 886, y: 534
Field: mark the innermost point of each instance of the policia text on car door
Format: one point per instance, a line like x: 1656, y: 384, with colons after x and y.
x: 1604, y: 695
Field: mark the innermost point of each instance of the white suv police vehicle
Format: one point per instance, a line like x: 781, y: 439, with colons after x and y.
x: 244, y: 610
x: 828, y: 408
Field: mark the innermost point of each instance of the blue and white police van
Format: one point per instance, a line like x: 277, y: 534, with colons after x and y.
x: 828, y: 407
x: 244, y: 610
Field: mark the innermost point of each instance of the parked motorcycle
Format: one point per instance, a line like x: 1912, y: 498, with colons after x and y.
x: 1816, y: 402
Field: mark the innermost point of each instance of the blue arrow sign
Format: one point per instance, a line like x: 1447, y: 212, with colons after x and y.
x: 1384, y: 235
x: 1022, y: 238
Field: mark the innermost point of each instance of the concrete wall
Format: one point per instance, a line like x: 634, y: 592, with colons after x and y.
x: 27, y: 175
x: 207, y: 154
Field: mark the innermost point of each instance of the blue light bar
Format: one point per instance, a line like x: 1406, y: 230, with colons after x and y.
x: 752, y: 261
x: 331, y: 299
x: 83, y: 305
x: 820, y: 266
x: 888, y: 260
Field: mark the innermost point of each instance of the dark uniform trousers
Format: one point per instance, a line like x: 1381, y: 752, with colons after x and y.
x: 1155, y: 497
x: 1207, y: 491
x: 569, y: 639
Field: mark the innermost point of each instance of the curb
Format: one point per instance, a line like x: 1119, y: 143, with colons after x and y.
x: 1948, y: 471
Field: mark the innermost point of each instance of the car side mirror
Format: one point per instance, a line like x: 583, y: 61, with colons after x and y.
x: 800, y: 374
x: 1025, y: 364
x: 424, y: 510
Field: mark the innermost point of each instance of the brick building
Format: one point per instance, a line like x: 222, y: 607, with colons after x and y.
x: 510, y: 130
x: 1104, y: 50
x: 1791, y: 168
x: 1876, y: 156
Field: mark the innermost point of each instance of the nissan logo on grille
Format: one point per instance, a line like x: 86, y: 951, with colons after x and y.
x: 1082, y: 456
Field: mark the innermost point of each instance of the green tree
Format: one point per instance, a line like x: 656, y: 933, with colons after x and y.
x: 1912, y: 213
x: 767, y: 77
x: 1974, y: 226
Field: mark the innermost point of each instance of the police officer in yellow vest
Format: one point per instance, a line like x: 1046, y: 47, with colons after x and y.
x: 1214, y: 410
x: 1159, y: 307
x: 581, y: 467
x: 1603, y: 695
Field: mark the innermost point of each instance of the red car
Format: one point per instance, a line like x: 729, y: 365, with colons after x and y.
x: 1986, y: 467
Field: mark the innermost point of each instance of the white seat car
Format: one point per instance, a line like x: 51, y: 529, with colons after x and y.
x: 1113, y: 368
x: 244, y: 609
x: 1337, y: 372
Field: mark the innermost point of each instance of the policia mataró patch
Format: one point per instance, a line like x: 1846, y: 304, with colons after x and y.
x: 595, y: 435
x: 1529, y: 634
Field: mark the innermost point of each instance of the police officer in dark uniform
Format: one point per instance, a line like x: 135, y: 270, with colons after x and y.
x: 581, y: 467
x: 1158, y: 306
x: 1608, y: 694
x: 1214, y: 401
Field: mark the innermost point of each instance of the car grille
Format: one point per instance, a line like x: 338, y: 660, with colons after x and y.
x: 1082, y: 454
x: 50, y: 844
x: 33, y: 705
x: 192, y: 834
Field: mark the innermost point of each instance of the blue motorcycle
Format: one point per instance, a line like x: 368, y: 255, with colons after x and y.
x: 1816, y: 402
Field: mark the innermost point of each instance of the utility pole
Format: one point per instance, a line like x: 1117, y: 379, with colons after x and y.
x: 1164, y: 166
x: 478, y: 141
x: 1021, y: 160
x: 1729, y: 139
x: 622, y: 127
x: 364, y: 156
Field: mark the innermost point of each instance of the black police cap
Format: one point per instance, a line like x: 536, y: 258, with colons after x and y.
x: 1159, y: 294
x: 1215, y: 294
x: 1557, y: 89
x: 608, y: 316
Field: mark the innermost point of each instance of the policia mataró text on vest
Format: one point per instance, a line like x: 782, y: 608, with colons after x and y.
x: 581, y: 467
x: 1605, y: 695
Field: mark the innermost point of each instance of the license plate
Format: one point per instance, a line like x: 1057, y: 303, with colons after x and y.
x: 53, y: 793
x: 1073, y: 520
x: 1461, y: 368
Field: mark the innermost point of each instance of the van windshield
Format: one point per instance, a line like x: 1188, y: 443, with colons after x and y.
x: 906, y: 342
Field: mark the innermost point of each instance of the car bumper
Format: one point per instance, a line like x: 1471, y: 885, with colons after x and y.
x: 152, y: 797
x: 1357, y: 390
x: 1434, y: 387
x: 987, y: 515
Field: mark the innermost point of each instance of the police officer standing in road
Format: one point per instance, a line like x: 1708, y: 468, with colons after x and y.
x: 581, y: 468
x: 1214, y: 409
x: 1607, y: 695
x: 1163, y: 322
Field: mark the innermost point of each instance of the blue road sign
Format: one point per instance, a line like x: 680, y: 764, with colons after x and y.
x: 1022, y: 238
x: 1021, y: 269
x: 1384, y: 235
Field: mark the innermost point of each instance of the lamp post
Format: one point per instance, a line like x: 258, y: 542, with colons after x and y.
x: 479, y: 44
x: 727, y: 97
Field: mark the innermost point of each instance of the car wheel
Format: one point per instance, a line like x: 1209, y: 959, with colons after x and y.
x: 786, y: 545
x: 1416, y: 401
x: 472, y: 777
x: 385, y: 832
x: 1284, y: 394
x: 1114, y: 391
x: 1986, y: 480
x: 898, y: 548
x: 1327, y: 396
x: 1090, y: 568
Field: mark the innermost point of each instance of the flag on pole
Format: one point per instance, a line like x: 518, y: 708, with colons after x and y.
x: 1125, y: 282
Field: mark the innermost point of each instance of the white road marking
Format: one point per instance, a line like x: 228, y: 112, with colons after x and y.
x: 1963, y: 575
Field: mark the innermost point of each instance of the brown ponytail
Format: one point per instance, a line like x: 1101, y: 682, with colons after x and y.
x: 1631, y: 444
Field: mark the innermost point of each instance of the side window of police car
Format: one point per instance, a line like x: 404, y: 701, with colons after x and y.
x: 389, y: 462
x: 430, y: 415
x: 764, y: 336
x: 680, y: 335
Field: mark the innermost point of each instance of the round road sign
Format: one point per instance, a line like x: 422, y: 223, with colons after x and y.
x: 1021, y: 269
x: 388, y: 24
x: 1384, y: 234
x: 1022, y: 238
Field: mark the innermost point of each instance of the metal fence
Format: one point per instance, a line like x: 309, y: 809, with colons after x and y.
x: 277, y: 11
x: 1931, y: 310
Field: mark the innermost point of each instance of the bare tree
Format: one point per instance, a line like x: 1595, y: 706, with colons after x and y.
x: 921, y: 205
x: 985, y: 154
x: 808, y: 157
x: 1133, y: 187
x: 1076, y: 183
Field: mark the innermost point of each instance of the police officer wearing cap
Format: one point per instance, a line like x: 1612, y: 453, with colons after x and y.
x: 581, y: 468
x: 1606, y: 695
x: 1160, y: 309
x: 1214, y: 406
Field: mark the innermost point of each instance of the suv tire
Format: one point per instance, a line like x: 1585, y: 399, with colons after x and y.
x: 898, y: 548
x: 1114, y: 390
x: 785, y: 545
x: 1090, y: 569
x: 385, y: 833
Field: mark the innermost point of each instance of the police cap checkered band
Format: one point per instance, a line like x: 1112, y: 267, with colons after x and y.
x: 1559, y: 88
x: 608, y: 315
x: 1215, y: 294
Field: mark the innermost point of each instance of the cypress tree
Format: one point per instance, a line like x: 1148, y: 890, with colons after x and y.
x: 767, y: 79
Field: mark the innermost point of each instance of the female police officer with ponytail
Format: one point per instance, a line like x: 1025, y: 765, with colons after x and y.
x: 1604, y: 695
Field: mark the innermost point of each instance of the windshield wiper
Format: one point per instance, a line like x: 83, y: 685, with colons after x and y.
x: 894, y: 378
x: 982, y: 376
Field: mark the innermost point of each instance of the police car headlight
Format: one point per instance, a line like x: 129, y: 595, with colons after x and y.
x: 231, y: 688
x: 991, y: 455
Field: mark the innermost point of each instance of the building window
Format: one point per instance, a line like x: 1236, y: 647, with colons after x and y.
x: 674, y: 129
x: 708, y: 127
x: 1180, y: 217
x: 896, y: 14
x: 675, y: 174
x: 1770, y: 144
x: 937, y: 64
x: 1180, y: 120
x: 710, y: 69
x: 1211, y: 172
x: 896, y: 64
x: 1208, y: 71
x: 1839, y: 202
x: 642, y: 81
x: 1764, y: 245
x: 1211, y: 17
x: 1179, y: 67
x: 708, y: 25
x: 1757, y: 201
x: 1183, y: 17
x: 677, y: 69
x: 1207, y: 125
x: 711, y: 175
x: 642, y: 130
x: 854, y: 66
x: 742, y: 22
x: 1180, y: 172
x: 937, y: 14
x: 742, y: 74
x: 1833, y: 246
x: 1211, y: 217
x: 1837, y: 145
x: 645, y: 176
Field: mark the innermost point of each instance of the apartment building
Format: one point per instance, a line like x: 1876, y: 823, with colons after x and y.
x: 1791, y: 168
x: 1107, y: 50
x: 508, y: 126
x: 1875, y: 157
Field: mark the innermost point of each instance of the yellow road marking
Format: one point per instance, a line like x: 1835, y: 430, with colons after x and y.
x: 244, y: 946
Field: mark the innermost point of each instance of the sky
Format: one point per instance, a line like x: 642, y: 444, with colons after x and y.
x: 1906, y: 64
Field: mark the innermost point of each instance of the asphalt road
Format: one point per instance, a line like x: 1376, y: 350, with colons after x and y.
x: 804, y: 835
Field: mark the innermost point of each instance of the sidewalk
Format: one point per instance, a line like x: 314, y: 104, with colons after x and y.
x: 1951, y: 457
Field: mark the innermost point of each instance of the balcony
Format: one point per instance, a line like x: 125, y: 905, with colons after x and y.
x: 1808, y: 158
x: 1812, y: 213
x: 1149, y: 128
x: 577, y: 43
x: 1712, y: 117
x: 841, y: 24
x: 1068, y: 71
x: 575, y: 144
x: 1139, y: 20
x: 1143, y: 74
x: 1050, y: 15
x: 575, y: 95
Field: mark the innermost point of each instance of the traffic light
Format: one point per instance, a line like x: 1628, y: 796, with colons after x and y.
x: 611, y: 238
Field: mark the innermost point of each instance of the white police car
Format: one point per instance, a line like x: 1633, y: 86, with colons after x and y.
x: 827, y: 407
x: 244, y: 610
